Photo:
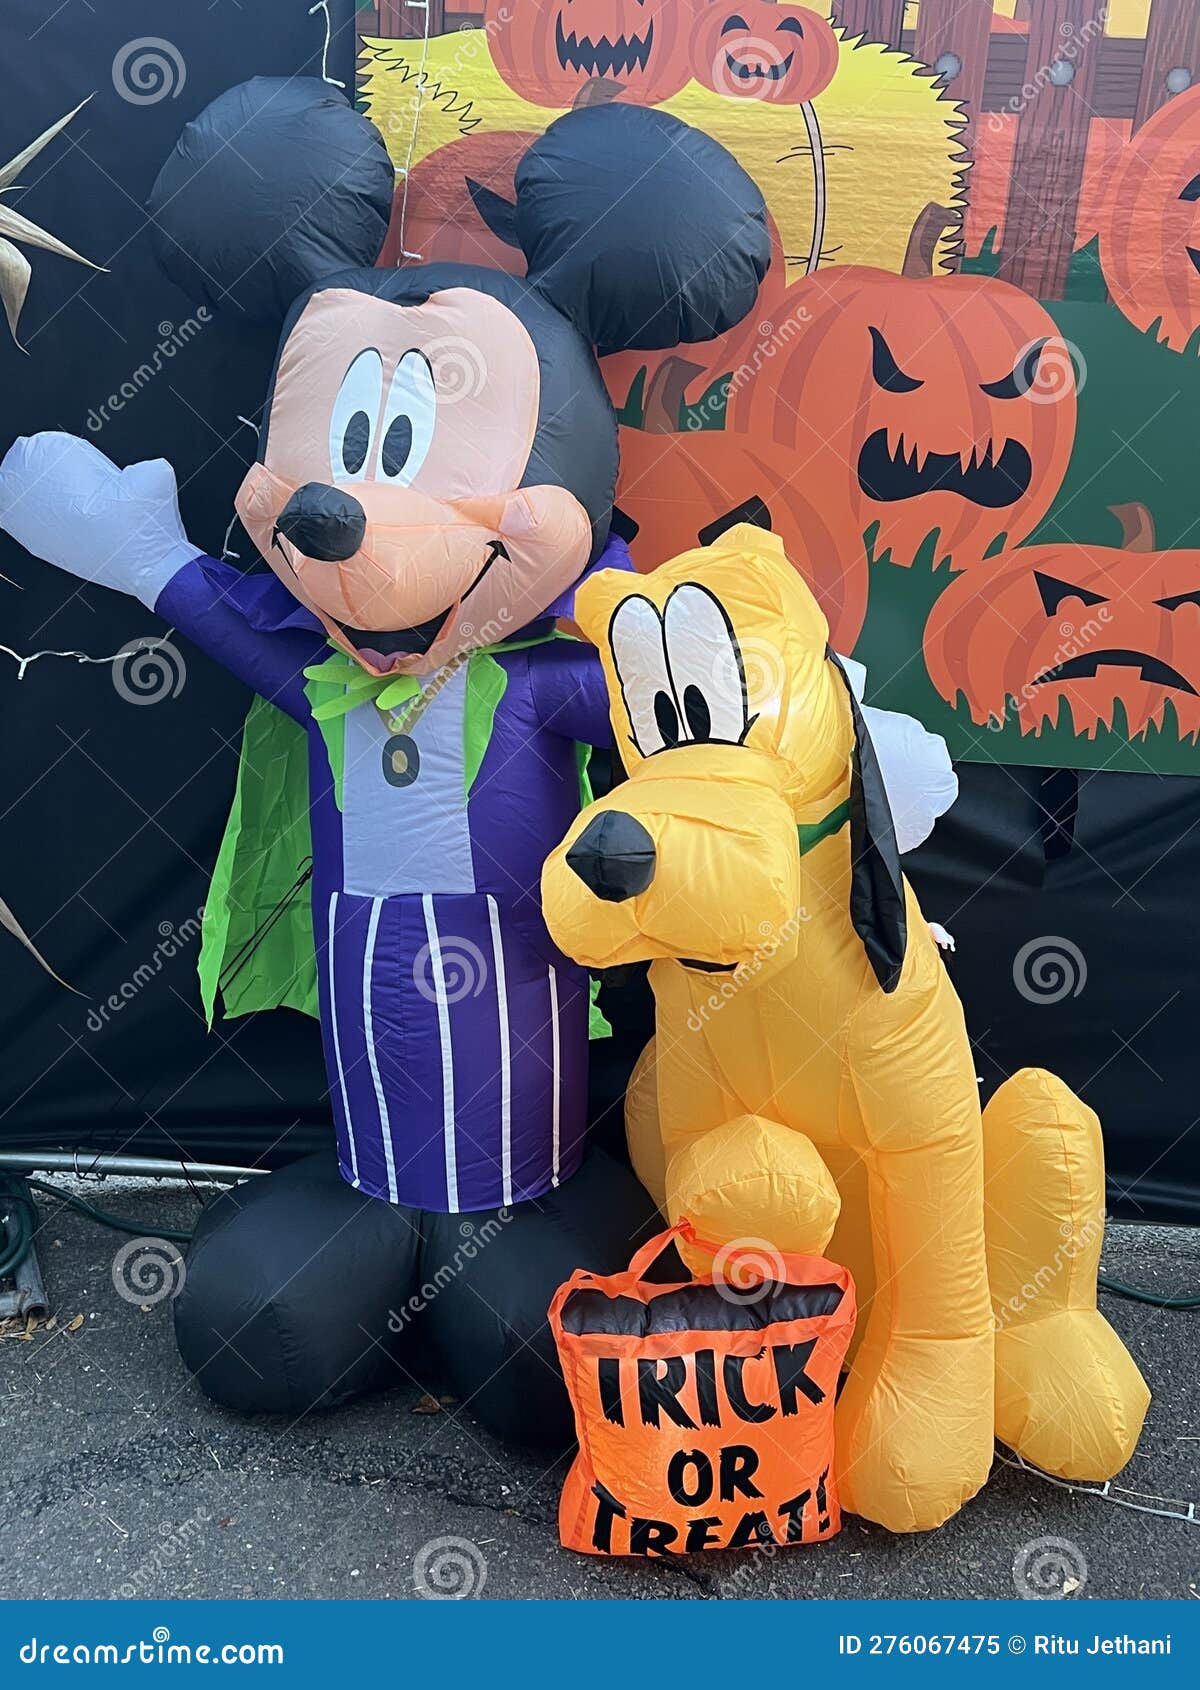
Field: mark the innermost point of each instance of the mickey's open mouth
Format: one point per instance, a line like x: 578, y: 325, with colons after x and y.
x: 1083, y: 668
x: 758, y: 72
x: 416, y: 641
x: 603, y: 57
x: 990, y: 481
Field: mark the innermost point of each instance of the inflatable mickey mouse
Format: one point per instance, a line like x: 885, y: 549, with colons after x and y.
x: 435, y: 473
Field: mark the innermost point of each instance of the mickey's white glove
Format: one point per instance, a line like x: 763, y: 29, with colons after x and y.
x: 64, y: 501
x: 918, y: 775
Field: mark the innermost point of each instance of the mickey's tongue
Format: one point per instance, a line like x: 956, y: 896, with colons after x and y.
x: 380, y: 650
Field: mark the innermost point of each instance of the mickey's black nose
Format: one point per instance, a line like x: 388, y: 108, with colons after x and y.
x: 613, y: 856
x: 323, y: 522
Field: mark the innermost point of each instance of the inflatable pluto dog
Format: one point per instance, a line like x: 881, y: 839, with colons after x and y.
x: 811, y: 1052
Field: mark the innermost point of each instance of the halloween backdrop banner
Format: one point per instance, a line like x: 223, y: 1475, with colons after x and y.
x: 963, y: 396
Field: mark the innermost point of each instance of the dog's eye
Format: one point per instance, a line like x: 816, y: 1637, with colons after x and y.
x: 636, y: 637
x: 408, y: 419
x: 706, y: 667
x: 355, y: 411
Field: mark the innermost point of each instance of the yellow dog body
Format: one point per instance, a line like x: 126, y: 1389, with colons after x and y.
x: 811, y: 1052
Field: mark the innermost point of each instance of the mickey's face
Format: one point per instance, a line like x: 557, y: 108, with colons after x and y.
x: 390, y: 499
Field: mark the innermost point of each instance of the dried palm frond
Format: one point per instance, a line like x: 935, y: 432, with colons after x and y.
x: 14, y: 266
x: 8, y: 920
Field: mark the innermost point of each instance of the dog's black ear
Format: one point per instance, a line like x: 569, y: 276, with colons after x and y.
x: 276, y: 184
x: 643, y: 231
x: 877, y: 911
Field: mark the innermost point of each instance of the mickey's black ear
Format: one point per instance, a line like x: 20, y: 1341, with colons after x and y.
x: 277, y: 183
x: 877, y: 911
x: 644, y: 231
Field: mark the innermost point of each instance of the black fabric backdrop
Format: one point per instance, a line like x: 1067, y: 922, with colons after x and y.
x: 113, y: 809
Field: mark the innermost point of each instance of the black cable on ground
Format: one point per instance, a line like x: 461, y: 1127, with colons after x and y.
x: 1137, y: 1294
x: 17, y: 1230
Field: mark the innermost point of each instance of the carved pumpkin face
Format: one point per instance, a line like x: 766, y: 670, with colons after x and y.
x: 552, y: 51
x: 913, y: 404
x: 457, y: 203
x: 756, y: 50
x: 1088, y: 627
x: 1150, y: 237
x: 678, y: 491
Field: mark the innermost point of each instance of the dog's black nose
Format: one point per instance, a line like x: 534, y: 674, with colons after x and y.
x: 323, y: 522
x: 613, y: 856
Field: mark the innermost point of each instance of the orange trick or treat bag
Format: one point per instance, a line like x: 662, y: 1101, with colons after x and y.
x: 704, y: 1411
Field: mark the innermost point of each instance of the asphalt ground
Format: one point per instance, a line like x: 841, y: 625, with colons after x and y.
x: 121, y: 1479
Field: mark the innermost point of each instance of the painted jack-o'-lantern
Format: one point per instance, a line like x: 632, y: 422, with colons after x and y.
x: 457, y: 207
x: 757, y: 50
x: 787, y: 55
x: 1091, y: 627
x: 918, y: 403
x: 552, y: 52
x: 1150, y: 234
x: 677, y: 490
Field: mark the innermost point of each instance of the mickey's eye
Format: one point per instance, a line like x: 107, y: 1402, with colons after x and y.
x: 352, y: 423
x: 636, y: 637
x: 1053, y: 592
x: 885, y: 369
x: 408, y: 419
x: 732, y: 23
x: 1016, y: 385
x: 1192, y: 191
x: 705, y: 662
x: 790, y: 26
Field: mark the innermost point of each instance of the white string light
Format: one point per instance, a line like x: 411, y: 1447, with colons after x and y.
x: 418, y: 96
x: 323, y: 6
x: 1167, y: 1508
